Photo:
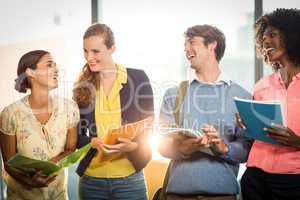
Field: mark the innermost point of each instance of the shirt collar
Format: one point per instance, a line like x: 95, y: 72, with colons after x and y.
x: 280, y: 80
x: 122, y: 74
x: 222, y: 78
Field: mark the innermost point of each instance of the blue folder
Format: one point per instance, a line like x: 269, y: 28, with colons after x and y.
x: 257, y: 115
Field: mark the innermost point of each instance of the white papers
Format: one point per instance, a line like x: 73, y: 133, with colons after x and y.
x: 183, y: 131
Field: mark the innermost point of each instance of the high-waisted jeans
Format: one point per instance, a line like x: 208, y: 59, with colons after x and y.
x: 132, y: 187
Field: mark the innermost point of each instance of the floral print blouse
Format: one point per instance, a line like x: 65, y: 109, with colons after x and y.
x: 39, y: 141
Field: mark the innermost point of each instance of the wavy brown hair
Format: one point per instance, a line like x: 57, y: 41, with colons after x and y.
x: 209, y: 34
x: 84, y: 89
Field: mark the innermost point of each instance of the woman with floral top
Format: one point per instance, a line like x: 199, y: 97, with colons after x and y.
x: 39, y: 126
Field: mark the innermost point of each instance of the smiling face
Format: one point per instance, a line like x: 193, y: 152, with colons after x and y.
x: 273, y: 47
x: 96, y: 53
x: 45, y: 75
x: 197, y: 52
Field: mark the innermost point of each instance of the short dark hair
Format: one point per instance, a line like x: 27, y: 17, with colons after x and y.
x: 287, y: 21
x: 101, y: 29
x: 28, y: 60
x: 210, y: 34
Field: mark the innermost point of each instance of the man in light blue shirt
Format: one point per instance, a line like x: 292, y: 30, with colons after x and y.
x: 197, y: 172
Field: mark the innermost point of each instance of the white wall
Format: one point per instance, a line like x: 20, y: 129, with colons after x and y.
x: 54, y: 25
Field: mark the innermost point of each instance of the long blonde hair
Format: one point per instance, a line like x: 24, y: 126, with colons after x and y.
x: 84, y: 89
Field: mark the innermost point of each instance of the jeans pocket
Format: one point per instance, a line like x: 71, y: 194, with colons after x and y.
x: 84, y: 179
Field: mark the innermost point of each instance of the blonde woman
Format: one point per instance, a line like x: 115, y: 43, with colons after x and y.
x: 110, y: 95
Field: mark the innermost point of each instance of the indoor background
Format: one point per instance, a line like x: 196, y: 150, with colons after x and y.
x: 149, y: 36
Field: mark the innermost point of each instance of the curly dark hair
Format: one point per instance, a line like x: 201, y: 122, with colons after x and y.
x: 209, y: 34
x: 287, y: 21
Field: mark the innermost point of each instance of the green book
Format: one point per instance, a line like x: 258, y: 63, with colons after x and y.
x: 31, y: 166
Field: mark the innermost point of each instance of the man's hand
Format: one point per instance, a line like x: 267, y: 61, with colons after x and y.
x: 189, y: 145
x: 214, y: 139
x: 283, y: 135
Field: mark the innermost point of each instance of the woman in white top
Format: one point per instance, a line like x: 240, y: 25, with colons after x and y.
x: 38, y: 126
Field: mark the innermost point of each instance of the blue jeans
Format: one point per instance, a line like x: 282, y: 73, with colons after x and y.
x: 132, y: 187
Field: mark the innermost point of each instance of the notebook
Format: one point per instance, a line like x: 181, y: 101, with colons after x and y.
x: 257, y: 115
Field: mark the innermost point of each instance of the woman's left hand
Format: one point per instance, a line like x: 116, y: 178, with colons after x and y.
x: 55, y: 159
x: 283, y: 135
x: 125, y: 145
